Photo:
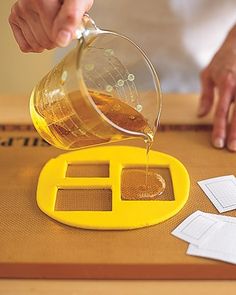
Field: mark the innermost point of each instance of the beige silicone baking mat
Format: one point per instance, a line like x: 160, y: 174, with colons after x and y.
x: 32, y: 245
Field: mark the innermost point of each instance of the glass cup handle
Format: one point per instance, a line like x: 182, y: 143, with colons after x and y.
x: 87, y: 29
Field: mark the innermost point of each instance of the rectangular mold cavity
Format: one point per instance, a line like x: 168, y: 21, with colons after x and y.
x: 83, y: 200
x: 87, y: 170
x: 167, y: 195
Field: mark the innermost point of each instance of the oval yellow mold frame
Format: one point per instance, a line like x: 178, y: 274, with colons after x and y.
x: 124, y: 214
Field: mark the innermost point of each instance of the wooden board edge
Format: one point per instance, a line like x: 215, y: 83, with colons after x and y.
x: 117, y: 271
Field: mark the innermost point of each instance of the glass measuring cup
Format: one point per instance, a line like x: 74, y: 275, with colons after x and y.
x: 104, y: 90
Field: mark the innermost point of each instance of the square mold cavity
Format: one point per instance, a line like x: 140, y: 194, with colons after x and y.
x: 84, y: 200
x: 131, y: 187
x: 88, y: 170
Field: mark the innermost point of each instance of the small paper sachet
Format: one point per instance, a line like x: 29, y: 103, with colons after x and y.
x: 197, y: 227
x: 221, y: 245
x: 221, y: 191
x: 210, y: 236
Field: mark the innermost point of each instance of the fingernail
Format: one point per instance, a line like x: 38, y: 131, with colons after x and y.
x: 201, y: 110
x: 218, y: 142
x: 63, y: 38
x: 232, y: 145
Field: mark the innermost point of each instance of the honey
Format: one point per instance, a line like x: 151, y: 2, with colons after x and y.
x: 58, y: 121
x: 139, y: 184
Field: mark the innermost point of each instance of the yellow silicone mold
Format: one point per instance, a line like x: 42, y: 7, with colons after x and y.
x: 125, y: 214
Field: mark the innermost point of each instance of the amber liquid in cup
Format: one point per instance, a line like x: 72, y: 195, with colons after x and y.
x: 59, y: 123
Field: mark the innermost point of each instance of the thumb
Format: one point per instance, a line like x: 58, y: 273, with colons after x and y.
x: 68, y: 19
x: 207, y: 96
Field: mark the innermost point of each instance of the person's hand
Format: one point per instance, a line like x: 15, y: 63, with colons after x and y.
x: 46, y: 24
x: 219, y: 79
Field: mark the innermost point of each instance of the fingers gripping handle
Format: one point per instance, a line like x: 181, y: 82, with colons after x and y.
x: 87, y: 29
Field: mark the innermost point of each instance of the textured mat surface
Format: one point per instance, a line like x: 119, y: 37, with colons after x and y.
x: 33, y: 245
